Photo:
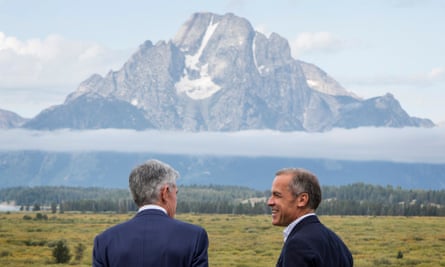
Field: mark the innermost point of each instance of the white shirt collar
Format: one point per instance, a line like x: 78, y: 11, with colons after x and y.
x: 291, y: 226
x: 152, y: 207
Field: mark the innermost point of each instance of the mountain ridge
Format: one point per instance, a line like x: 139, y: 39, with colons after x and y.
x: 9, y: 119
x: 219, y: 74
x: 111, y: 169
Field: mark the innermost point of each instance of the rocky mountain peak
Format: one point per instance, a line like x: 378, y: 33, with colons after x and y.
x: 219, y: 74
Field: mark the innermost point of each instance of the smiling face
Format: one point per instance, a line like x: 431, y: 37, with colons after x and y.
x: 286, y: 206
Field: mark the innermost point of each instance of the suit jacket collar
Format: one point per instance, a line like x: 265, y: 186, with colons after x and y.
x: 151, y: 212
x: 291, y: 226
x: 305, y: 221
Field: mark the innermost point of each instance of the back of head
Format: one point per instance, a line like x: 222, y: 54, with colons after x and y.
x: 146, y: 180
x: 304, y: 181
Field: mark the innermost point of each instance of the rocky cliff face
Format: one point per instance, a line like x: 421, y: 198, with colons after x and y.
x: 219, y: 74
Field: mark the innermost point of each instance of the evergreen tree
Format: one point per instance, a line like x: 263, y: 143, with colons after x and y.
x: 53, y: 207
x: 36, y: 207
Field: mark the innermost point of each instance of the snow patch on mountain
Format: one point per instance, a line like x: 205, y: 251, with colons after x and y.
x: 202, y: 87
x: 261, y: 69
x: 191, y: 61
x: 312, y: 83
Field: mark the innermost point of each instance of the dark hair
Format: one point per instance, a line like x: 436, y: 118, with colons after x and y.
x: 304, y: 181
x: 146, y: 181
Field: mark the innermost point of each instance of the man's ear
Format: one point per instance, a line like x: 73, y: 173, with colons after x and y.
x: 303, y: 200
x: 164, y: 194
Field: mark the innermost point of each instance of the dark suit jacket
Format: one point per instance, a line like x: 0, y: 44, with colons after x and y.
x: 151, y: 238
x: 311, y: 243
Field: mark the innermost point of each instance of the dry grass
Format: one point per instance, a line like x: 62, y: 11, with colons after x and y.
x: 235, y: 240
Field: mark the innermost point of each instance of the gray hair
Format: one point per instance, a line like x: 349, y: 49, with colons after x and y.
x: 146, y: 181
x: 304, y: 181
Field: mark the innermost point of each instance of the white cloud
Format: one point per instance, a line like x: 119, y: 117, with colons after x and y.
x: 437, y: 73
x: 383, y: 144
x: 307, y: 42
x: 422, y: 79
x: 53, y: 62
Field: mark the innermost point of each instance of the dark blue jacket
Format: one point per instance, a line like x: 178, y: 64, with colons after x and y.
x: 311, y: 243
x: 151, y: 238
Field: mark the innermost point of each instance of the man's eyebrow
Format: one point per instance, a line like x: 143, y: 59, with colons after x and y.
x: 276, y: 193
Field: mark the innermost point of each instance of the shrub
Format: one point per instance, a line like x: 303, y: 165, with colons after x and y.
x: 5, y: 253
x: 61, y: 252
x: 40, y: 216
x: 34, y: 242
x: 79, y: 249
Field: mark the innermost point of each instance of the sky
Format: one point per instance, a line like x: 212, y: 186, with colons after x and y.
x: 48, y: 47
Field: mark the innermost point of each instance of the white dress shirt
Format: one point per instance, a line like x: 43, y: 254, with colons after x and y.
x: 152, y: 207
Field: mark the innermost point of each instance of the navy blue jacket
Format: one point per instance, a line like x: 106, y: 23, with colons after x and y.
x: 151, y: 238
x: 311, y: 243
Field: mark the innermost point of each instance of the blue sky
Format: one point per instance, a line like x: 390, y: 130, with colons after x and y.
x: 48, y: 47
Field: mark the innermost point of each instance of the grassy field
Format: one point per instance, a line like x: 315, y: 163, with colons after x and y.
x: 235, y: 240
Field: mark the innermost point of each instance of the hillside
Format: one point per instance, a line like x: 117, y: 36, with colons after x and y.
x: 354, y: 199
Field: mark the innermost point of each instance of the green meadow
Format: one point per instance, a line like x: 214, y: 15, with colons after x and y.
x: 28, y: 239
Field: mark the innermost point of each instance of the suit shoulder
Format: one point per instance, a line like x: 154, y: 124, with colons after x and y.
x: 189, y: 226
x: 115, y: 228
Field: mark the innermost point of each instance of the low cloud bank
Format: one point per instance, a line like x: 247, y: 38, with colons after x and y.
x: 382, y: 144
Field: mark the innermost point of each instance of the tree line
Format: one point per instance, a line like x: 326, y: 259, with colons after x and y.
x: 354, y: 199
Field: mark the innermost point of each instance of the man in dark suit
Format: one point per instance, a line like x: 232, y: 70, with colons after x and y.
x: 153, y: 237
x: 296, y: 194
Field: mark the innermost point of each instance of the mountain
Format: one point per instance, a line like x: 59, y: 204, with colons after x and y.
x: 111, y: 170
x: 10, y: 119
x: 219, y: 74
x: 91, y: 111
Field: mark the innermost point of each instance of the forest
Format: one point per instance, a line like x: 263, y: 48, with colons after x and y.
x: 354, y: 199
